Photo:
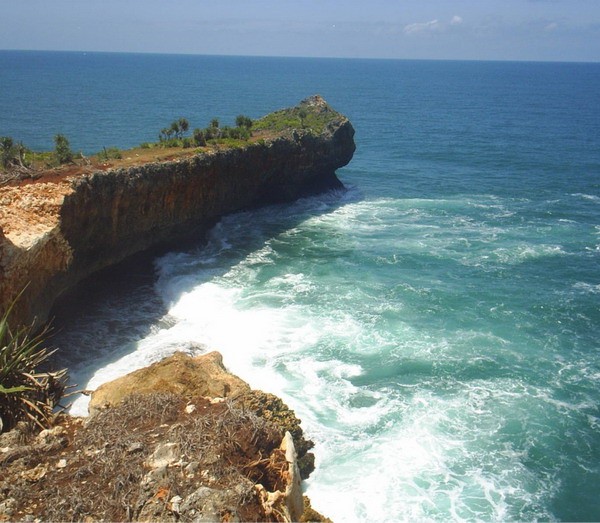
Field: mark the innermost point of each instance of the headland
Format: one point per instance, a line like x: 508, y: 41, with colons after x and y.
x: 68, y: 223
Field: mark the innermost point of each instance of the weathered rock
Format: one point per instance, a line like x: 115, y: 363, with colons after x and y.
x: 52, y: 235
x: 164, y: 455
x: 180, y: 374
x: 212, y: 504
x: 147, y: 459
x: 7, y: 509
x: 289, y: 502
x: 272, y: 408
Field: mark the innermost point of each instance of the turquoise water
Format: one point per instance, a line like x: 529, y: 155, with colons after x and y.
x: 435, y: 326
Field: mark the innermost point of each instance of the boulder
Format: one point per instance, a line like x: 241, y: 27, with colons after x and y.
x: 179, y: 374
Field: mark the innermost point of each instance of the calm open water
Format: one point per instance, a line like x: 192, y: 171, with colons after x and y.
x: 436, y: 326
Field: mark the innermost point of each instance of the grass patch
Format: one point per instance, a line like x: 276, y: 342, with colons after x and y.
x: 112, y: 153
x: 295, y: 118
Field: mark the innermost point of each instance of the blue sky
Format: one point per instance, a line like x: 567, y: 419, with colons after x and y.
x: 438, y: 29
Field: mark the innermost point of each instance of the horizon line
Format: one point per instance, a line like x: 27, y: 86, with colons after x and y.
x: 508, y: 60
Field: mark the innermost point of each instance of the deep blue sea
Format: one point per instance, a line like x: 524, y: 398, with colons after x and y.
x: 436, y: 326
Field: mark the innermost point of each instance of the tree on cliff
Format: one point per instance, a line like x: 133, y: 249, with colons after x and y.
x: 12, y: 155
x: 62, y: 149
x: 243, y: 121
x: 199, y: 137
x: 175, y: 128
x: 302, y: 114
x: 213, y: 131
x: 184, y: 125
x: 175, y: 131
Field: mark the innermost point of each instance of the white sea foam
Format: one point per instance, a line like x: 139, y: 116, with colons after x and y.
x: 591, y: 197
x: 587, y: 287
x: 523, y: 252
x: 412, y: 421
x: 425, y: 463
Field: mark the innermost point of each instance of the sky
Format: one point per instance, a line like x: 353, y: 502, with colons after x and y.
x: 556, y: 30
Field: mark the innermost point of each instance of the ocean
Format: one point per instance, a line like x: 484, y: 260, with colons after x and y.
x: 436, y: 326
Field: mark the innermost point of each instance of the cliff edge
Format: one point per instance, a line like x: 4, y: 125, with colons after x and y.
x: 181, y: 440
x: 56, y: 231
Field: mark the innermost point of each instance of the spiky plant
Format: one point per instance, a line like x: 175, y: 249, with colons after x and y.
x: 26, y: 392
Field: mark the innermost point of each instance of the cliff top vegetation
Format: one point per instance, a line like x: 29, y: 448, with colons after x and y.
x: 312, y: 115
x: 21, y: 165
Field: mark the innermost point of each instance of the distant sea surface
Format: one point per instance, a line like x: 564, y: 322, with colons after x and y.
x: 436, y: 326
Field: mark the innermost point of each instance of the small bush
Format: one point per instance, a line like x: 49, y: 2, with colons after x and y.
x: 237, y: 133
x: 12, y: 154
x: 199, y: 138
x: 62, y: 149
x: 243, y: 121
x: 112, y: 153
x: 26, y: 393
x: 6, y: 151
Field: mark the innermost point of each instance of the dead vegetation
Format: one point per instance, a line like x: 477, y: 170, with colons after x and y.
x: 155, y: 457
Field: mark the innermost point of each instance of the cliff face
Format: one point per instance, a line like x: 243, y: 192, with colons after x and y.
x: 52, y: 235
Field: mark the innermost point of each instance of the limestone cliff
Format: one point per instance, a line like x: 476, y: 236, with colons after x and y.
x: 54, y: 234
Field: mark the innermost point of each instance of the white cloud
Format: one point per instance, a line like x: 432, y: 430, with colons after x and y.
x: 551, y: 26
x: 456, y: 20
x: 421, y: 26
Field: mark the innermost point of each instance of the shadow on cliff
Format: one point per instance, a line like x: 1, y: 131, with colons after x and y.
x: 101, y: 319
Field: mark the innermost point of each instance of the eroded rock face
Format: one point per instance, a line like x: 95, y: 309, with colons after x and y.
x: 56, y: 234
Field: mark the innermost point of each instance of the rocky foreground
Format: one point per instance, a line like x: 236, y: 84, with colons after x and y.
x: 181, y: 440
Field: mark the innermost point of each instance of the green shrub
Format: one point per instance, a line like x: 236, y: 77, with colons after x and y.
x: 210, y: 133
x: 12, y: 154
x: 238, y: 133
x: 243, y: 121
x: 26, y: 393
x: 199, y: 138
x: 299, y: 117
x: 62, y: 149
x: 6, y: 151
x: 112, y: 153
x: 184, y: 125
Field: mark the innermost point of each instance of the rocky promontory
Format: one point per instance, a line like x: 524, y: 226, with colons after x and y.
x: 181, y: 440
x: 56, y: 231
